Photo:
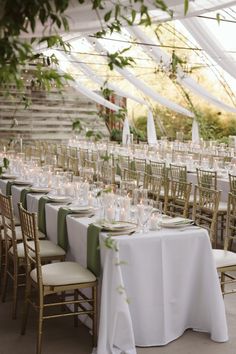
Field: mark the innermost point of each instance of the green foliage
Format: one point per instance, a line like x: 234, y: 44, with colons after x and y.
x: 117, y: 59
x: 116, y: 135
x: 6, y: 162
x: 76, y: 125
x: 21, y: 16
x: 96, y: 135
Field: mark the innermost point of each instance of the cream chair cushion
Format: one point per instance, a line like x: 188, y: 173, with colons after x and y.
x: 19, y: 234
x: 224, y: 258
x: 47, y: 249
x: 64, y: 273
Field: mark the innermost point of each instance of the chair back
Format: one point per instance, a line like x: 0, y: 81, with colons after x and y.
x: 73, y: 165
x: 178, y: 173
x: 177, y: 201
x: 205, y: 209
x: 29, y: 230
x: 207, y: 179
x: 154, y: 185
x: 157, y: 168
x: 230, y: 222
x: 6, y: 209
x: 232, y: 183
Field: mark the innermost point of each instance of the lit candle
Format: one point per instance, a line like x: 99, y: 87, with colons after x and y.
x: 90, y: 200
x: 140, y: 208
x: 153, y: 222
x: 122, y: 214
x: 110, y: 213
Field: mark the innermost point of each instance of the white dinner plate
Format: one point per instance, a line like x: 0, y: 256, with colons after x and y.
x: 5, y: 176
x: 83, y: 209
x: 22, y: 183
x: 177, y: 222
x: 40, y: 189
x: 117, y: 226
x: 59, y: 199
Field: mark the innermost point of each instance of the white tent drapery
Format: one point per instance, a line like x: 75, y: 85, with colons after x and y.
x: 151, y: 130
x: 126, y: 132
x: 141, y: 84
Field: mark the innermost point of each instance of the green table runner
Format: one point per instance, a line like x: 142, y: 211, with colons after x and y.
x: 41, y: 214
x: 93, y: 252
x: 23, y: 197
x: 62, y: 236
x: 8, y: 187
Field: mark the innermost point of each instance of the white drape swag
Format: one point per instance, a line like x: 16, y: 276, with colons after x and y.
x: 158, y: 54
x: 195, y: 132
x: 151, y: 130
x: 141, y: 84
x: 126, y: 132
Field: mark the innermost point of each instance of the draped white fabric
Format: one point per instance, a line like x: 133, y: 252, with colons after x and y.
x: 99, y: 80
x: 139, y: 84
x: 126, y: 132
x: 195, y: 132
x: 84, y: 90
x: 158, y: 54
x: 151, y: 129
x: 206, y: 39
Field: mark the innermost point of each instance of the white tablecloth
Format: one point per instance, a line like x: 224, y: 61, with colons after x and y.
x: 168, y: 276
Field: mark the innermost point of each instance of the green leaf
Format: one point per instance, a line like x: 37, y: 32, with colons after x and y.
x: 186, y: 3
x: 107, y: 16
x: 218, y: 18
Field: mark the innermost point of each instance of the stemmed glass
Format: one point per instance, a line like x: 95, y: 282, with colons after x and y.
x: 144, y: 212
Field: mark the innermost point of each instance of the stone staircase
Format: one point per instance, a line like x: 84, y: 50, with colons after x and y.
x: 49, y: 116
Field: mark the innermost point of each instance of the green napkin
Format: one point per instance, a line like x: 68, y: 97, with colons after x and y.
x: 62, y: 236
x: 8, y: 187
x: 23, y: 197
x: 93, y: 253
x: 41, y: 214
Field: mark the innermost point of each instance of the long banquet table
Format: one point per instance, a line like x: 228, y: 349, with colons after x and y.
x: 154, y: 285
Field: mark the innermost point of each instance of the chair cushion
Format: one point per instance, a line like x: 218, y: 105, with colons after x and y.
x: 19, y: 234
x: 64, y: 273
x: 47, y: 249
x: 224, y: 258
x: 223, y: 207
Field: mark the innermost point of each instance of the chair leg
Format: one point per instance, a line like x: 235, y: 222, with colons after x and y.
x: 5, y: 277
x: 15, y: 289
x: 26, y: 307
x: 222, y: 279
x: 40, y: 326
x: 94, y: 294
x: 76, y: 307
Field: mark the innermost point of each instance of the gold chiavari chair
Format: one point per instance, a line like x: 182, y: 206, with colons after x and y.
x: 73, y: 151
x: 73, y: 165
x: 83, y: 155
x: 106, y: 173
x: 130, y: 180
x: 123, y: 162
x: 140, y: 165
x: 62, y: 161
x: 232, y: 183
x: 226, y: 259
x: 178, y: 173
x: 177, y: 201
x: 157, y: 168
x: 206, y: 178
x: 154, y: 186
x: 54, y: 278
x: 14, y: 251
x: 205, y: 209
